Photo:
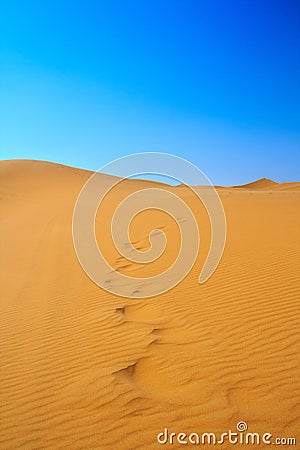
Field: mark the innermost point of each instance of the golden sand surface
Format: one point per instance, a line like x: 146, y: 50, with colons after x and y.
x: 82, y: 368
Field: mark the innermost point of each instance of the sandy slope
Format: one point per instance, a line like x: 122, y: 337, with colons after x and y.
x: 84, y: 369
x: 266, y: 184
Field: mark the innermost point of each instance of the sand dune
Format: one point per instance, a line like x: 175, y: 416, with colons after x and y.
x: 287, y: 186
x: 266, y: 184
x: 263, y: 183
x: 84, y: 369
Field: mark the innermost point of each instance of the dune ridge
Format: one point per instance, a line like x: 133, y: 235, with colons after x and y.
x: 84, y: 369
x: 267, y: 184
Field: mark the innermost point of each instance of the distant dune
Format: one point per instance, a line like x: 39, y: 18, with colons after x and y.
x: 265, y: 183
x: 84, y: 369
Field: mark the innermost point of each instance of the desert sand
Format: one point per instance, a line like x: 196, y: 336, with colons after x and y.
x: 82, y: 368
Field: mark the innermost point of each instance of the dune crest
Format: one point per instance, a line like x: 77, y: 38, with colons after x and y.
x: 262, y: 183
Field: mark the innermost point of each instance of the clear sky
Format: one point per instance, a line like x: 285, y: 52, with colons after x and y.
x: 213, y: 81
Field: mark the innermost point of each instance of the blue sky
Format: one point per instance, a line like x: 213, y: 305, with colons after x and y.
x: 216, y: 82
